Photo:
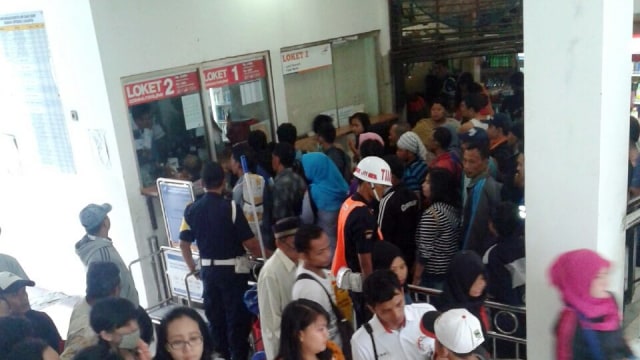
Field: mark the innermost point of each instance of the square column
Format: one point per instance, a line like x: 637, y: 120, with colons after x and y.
x: 577, y: 77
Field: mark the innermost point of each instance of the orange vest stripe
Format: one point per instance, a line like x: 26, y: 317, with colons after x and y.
x: 339, y: 258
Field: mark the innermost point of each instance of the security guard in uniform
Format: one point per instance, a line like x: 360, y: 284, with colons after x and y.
x: 223, y: 233
x: 357, y: 225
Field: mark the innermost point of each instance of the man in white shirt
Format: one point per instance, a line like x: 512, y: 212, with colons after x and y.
x: 313, y: 280
x: 458, y: 334
x: 394, y: 331
x: 275, y: 283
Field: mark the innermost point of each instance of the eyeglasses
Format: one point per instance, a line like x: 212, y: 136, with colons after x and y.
x: 181, y: 344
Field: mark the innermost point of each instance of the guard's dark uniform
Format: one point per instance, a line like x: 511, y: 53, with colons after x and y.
x: 209, y: 221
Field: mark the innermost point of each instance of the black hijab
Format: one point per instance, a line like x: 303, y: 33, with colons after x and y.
x: 383, y: 254
x: 463, y: 272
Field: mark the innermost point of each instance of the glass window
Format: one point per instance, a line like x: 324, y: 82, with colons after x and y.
x: 167, y: 126
x: 238, y: 99
x: 337, y: 78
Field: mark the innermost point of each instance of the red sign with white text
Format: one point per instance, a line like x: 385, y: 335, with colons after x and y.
x: 233, y: 74
x: 161, y: 88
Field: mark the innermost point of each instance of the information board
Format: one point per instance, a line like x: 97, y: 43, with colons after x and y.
x: 175, y: 195
x: 161, y: 88
x: 39, y: 124
x: 310, y: 58
x: 234, y: 74
x: 177, y: 270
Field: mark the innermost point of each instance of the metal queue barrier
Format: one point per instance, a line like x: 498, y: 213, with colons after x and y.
x: 180, y: 286
x: 497, y: 310
x: 632, y: 232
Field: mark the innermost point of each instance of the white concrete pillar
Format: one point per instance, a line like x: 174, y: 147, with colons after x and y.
x: 577, y: 74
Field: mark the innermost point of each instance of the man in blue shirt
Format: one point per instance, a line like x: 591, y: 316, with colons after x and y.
x: 223, y: 233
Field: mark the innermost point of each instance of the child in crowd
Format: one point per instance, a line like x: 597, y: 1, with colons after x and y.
x: 589, y: 324
x: 183, y: 335
x: 304, y: 333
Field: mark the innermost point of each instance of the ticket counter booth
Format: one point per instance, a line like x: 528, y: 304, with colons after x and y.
x: 182, y: 117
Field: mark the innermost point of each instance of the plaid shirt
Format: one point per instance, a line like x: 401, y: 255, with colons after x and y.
x: 288, y: 192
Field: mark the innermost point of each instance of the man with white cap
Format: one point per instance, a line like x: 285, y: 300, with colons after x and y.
x: 13, y: 291
x: 96, y: 246
x: 458, y: 334
x: 357, y: 224
x: 10, y: 264
x: 275, y: 283
x: 413, y: 153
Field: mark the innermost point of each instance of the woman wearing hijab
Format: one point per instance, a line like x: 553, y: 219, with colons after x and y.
x: 465, y: 287
x: 387, y: 256
x: 327, y: 191
x: 589, y: 324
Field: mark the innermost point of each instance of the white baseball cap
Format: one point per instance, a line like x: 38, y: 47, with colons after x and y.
x: 10, y: 282
x: 457, y: 329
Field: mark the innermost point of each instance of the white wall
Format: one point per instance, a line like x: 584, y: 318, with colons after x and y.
x: 93, y: 45
x: 577, y: 79
x: 39, y: 213
x: 148, y: 35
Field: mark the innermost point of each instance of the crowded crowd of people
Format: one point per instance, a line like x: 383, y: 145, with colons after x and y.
x: 437, y: 202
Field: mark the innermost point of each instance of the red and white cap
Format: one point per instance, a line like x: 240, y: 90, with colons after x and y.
x: 373, y: 169
x: 457, y: 329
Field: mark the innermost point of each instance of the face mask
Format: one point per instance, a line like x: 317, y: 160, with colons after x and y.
x: 130, y: 341
x: 375, y: 193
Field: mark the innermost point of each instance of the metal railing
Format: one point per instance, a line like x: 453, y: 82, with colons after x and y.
x: 497, y: 311
x: 632, y: 228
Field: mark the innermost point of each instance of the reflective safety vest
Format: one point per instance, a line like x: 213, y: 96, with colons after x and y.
x: 339, y: 258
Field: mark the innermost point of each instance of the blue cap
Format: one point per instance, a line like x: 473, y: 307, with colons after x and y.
x: 502, y: 121
x: 93, y: 215
x: 475, y: 135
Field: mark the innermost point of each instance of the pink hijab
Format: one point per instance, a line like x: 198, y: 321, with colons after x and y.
x: 572, y: 273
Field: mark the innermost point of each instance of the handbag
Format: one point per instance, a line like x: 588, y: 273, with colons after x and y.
x: 345, y: 329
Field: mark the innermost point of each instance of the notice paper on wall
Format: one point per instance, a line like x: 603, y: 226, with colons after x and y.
x: 341, y: 116
x: 251, y: 92
x: 99, y: 142
x: 192, y: 110
x: 346, y: 111
x: 333, y: 113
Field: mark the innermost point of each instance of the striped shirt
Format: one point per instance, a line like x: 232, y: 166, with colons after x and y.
x: 414, y: 175
x: 438, y: 237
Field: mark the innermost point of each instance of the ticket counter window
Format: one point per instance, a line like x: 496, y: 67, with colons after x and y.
x: 167, y: 127
x: 237, y: 91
